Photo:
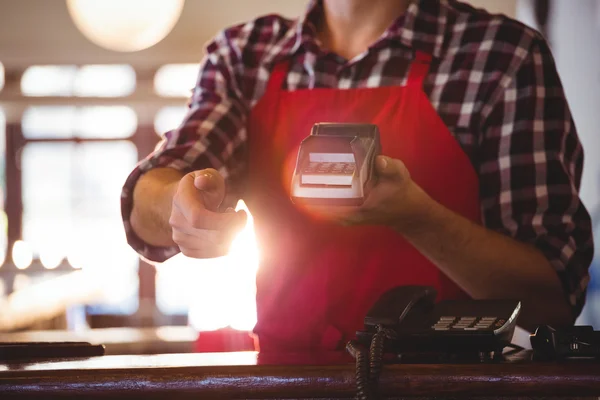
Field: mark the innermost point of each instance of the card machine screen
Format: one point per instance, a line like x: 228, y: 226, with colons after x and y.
x: 335, y: 164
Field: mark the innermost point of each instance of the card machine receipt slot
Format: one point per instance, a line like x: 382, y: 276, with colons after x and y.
x: 335, y: 164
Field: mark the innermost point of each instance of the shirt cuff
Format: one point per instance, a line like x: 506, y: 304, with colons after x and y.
x: 149, y: 253
x: 571, y: 265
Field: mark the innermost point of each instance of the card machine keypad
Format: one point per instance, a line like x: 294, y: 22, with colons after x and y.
x: 330, y: 168
x: 451, y: 323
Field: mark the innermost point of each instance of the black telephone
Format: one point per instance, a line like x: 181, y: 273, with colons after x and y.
x: 414, y: 323
x: 407, y: 321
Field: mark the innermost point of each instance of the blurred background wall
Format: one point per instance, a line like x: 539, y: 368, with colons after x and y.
x: 76, y: 117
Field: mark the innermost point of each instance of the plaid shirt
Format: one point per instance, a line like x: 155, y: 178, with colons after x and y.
x: 493, y: 81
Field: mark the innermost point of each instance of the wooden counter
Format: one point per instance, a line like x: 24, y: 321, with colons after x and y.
x: 165, y: 339
x: 249, y: 375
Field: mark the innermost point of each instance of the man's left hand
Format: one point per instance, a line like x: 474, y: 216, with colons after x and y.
x: 393, y: 201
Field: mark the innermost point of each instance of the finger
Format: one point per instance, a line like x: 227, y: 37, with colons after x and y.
x: 195, y: 216
x: 202, y: 254
x: 389, y: 167
x: 200, y: 247
x: 191, y: 203
x: 212, y: 186
x: 224, y: 222
x: 198, y: 239
x: 205, y: 239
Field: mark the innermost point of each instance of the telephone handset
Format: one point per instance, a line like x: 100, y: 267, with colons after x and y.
x: 414, y: 323
x: 407, y: 321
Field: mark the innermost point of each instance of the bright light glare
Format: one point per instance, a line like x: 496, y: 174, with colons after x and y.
x: 51, y: 256
x: 1, y: 76
x: 224, y: 289
x: 105, y: 81
x: 106, y: 122
x: 2, y: 143
x: 3, y: 248
x: 169, y: 118
x: 69, y: 80
x: 21, y: 281
x: 55, y: 122
x: 176, y: 80
x: 125, y: 25
x: 244, y: 262
x: 22, y: 254
x: 77, y: 257
x: 48, y: 80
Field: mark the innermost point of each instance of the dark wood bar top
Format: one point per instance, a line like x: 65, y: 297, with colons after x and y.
x: 252, y: 375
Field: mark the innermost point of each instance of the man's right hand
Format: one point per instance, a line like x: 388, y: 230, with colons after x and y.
x: 198, y: 228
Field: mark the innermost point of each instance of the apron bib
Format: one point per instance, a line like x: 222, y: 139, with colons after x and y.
x: 317, y: 280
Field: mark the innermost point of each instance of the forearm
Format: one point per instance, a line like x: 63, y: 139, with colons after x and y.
x: 487, y: 264
x: 152, y: 202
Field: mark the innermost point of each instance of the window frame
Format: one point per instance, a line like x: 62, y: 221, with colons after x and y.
x: 145, y: 138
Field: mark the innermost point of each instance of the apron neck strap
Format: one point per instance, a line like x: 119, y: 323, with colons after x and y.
x: 278, y: 75
x: 419, y: 68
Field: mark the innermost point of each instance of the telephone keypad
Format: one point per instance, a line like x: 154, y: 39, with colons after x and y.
x: 446, y: 323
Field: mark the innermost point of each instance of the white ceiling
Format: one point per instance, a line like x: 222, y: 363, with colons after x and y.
x: 41, y: 31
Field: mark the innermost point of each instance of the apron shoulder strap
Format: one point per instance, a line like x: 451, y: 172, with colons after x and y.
x: 278, y: 75
x: 419, y: 68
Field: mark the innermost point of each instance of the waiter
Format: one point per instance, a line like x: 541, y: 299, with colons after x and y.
x: 478, y: 182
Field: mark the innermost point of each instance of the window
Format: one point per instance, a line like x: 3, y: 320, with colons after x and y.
x: 219, y: 292
x: 176, y: 80
x: 71, y: 210
x: 169, y: 118
x: 65, y: 122
x: 22, y: 255
x: 48, y: 80
x: 3, y: 219
x: 1, y: 76
x: 48, y: 122
x: 104, y: 81
x: 106, y: 122
x: 86, y: 81
x: 2, y: 157
x: 174, y: 295
x: 73, y: 158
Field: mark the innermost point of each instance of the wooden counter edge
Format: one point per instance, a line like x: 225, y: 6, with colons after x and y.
x: 308, y: 381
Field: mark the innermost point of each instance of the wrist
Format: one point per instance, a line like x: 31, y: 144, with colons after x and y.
x: 418, y: 210
x: 152, y: 203
x: 169, y: 191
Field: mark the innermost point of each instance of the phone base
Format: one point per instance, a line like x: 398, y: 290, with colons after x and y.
x: 457, y: 345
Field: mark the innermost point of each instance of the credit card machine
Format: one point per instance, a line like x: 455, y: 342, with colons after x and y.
x: 335, y: 164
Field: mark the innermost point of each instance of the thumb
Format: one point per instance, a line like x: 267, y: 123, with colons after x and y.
x: 390, y: 168
x: 212, y: 186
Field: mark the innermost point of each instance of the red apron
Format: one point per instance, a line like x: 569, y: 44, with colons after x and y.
x: 317, y: 280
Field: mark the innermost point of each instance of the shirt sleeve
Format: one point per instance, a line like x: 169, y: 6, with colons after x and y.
x: 530, y: 166
x: 212, y: 135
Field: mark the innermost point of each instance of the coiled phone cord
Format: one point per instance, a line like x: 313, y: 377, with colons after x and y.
x: 368, y: 366
x: 362, y: 370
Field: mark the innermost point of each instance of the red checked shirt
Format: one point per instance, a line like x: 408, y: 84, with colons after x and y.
x: 493, y: 81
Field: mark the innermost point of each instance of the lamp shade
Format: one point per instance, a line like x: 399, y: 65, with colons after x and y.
x: 125, y: 25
